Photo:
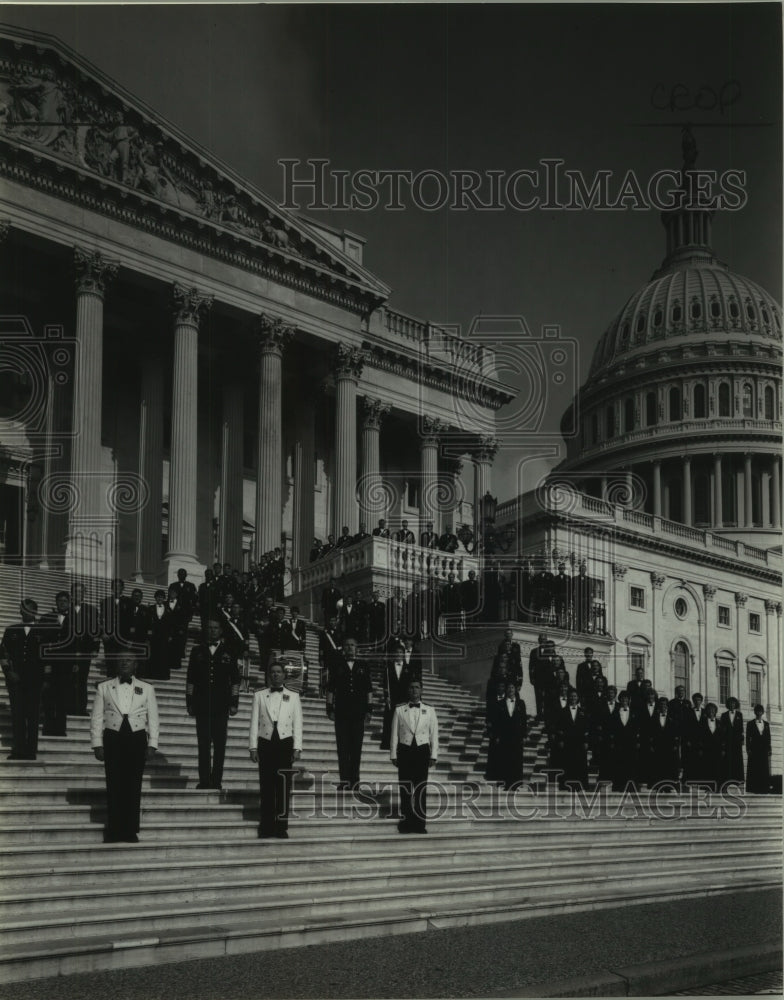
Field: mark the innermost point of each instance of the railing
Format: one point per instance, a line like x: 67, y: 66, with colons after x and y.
x: 437, y: 343
x: 396, y: 561
x: 682, y: 428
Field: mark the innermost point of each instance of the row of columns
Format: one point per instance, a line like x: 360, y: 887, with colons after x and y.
x: 770, y: 490
x: 94, y: 274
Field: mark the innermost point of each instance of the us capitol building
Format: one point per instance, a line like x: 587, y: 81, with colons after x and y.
x: 191, y: 373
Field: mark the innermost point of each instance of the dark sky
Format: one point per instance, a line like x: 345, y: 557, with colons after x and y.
x: 459, y: 87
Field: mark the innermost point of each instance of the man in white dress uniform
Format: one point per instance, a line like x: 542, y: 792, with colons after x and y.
x: 274, y: 742
x: 413, y: 749
x: 124, y: 735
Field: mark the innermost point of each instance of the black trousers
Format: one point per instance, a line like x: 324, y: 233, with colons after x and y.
x: 25, y: 703
x: 349, y: 733
x: 176, y: 649
x: 211, y: 733
x: 412, y: 764
x: 79, y: 687
x: 275, y: 774
x: 125, y: 753
x: 57, y: 691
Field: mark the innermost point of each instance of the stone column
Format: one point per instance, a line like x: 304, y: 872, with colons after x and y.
x: 454, y: 494
x: 230, y: 509
x: 348, y: 363
x: 718, y: 517
x: 483, y: 454
x: 89, y: 523
x: 776, y: 512
x: 432, y: 427
x: 189, y: 304
x: 148, y: 519
x: 304, y: 484
x: 372, y: 503
x: 657, y: 488
x: 748, y: 503
x: 687, y: 503
x: 273, y: 339
x: 765, y: 498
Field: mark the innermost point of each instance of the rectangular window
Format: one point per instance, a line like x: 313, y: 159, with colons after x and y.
x: 755, y: 688
x: 754, y: 623
x: 724, y: 615
x: 724, y: 684
x: 638, y: 662
x: 637, y: 597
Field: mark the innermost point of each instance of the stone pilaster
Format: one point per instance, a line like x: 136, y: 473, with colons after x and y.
x: 348, y: 364
x: 429, y: 505
x: 274, y: 337
x: 189, y: 306
x: 89, y: 525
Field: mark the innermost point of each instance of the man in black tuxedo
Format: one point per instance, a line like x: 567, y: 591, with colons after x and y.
x: 732, y: 739
x: 571, y: 736
x: 160, y: 622
x: 20, y: 656
x: 428, y: 539
x: 209, y: 597
x: 586, y: 672
x: 186, y: 592
x: 85, y: 640
x: 377, y: 620
x: 345, y: 538
x: 624, y: 736
x: 293, y: 633
x: 469, y: 595
x: 362, y: 534
x: 382, y: 531
x: 329, y: 600
x: 451, y: 601
x: 398, y: 674
x: 349, y: 624
x: 508, y: 725
x: 537, y: 668
x: 329, y: 644
x: 448, y: 541
x: 180, y: 616
x: 212, y: 693
x: 350, y: 705
x: 404, y: 534
x: 328, y: 546
x: 113, y: 613
x: 137, y: 625
x: 636, y: 690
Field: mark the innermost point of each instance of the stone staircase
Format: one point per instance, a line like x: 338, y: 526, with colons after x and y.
x: 200, y: 884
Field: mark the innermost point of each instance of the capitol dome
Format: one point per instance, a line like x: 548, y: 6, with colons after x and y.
x: 683, y: 397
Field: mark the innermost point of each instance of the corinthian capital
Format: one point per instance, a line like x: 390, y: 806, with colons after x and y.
x: 274, y: 335
x: 348, y: 361
x: 190, y: 304
x: 432, y: 429
x: 657, y: 580
x: 373, y: 412
x: 485, y: 449
x: 709, y: 591
x: 93, y: 271
x: 619, y: 571
x: 770, y: 607
x: 741, y: 598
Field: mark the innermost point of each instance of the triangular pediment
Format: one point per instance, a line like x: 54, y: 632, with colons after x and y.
x: 64, y: 115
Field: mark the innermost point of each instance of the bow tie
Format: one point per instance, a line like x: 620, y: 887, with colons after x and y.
x: 278, y: 689
x: 413, y: 704
x: 125, y: 680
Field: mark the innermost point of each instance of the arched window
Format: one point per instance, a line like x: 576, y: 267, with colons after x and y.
x: 657, y: 318
x: 650, y: 410
x: 750, y: 313
x: 699, y: 401
x: 769, y: 408
x: 724, y: 400
x: 680, y: 666
x: 640, y: 322
x: 696, y: 310
x: 675, y: 403
x: 609, y: 421
x: 734, y: 311
x: 715, y: 309
x: 748, y: 400
x: 677, y: 313
x: 628, y: 415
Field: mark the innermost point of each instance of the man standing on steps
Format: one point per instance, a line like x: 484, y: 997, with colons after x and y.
x: 275, y: 742
x: 414, y: 749
x: 349, y: 703
x: 20, y: 656
x: 212, y: 694
x: 124, y: 734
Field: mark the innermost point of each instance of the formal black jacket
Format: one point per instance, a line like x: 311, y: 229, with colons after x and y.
x: 293, y: 635
x: 21, y: 655
x: 351, y: 688
x: 114, y: 613
x: 215, y: 679
x: 758, y: 749
x: 396, y: 689
x: 188, y: 596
